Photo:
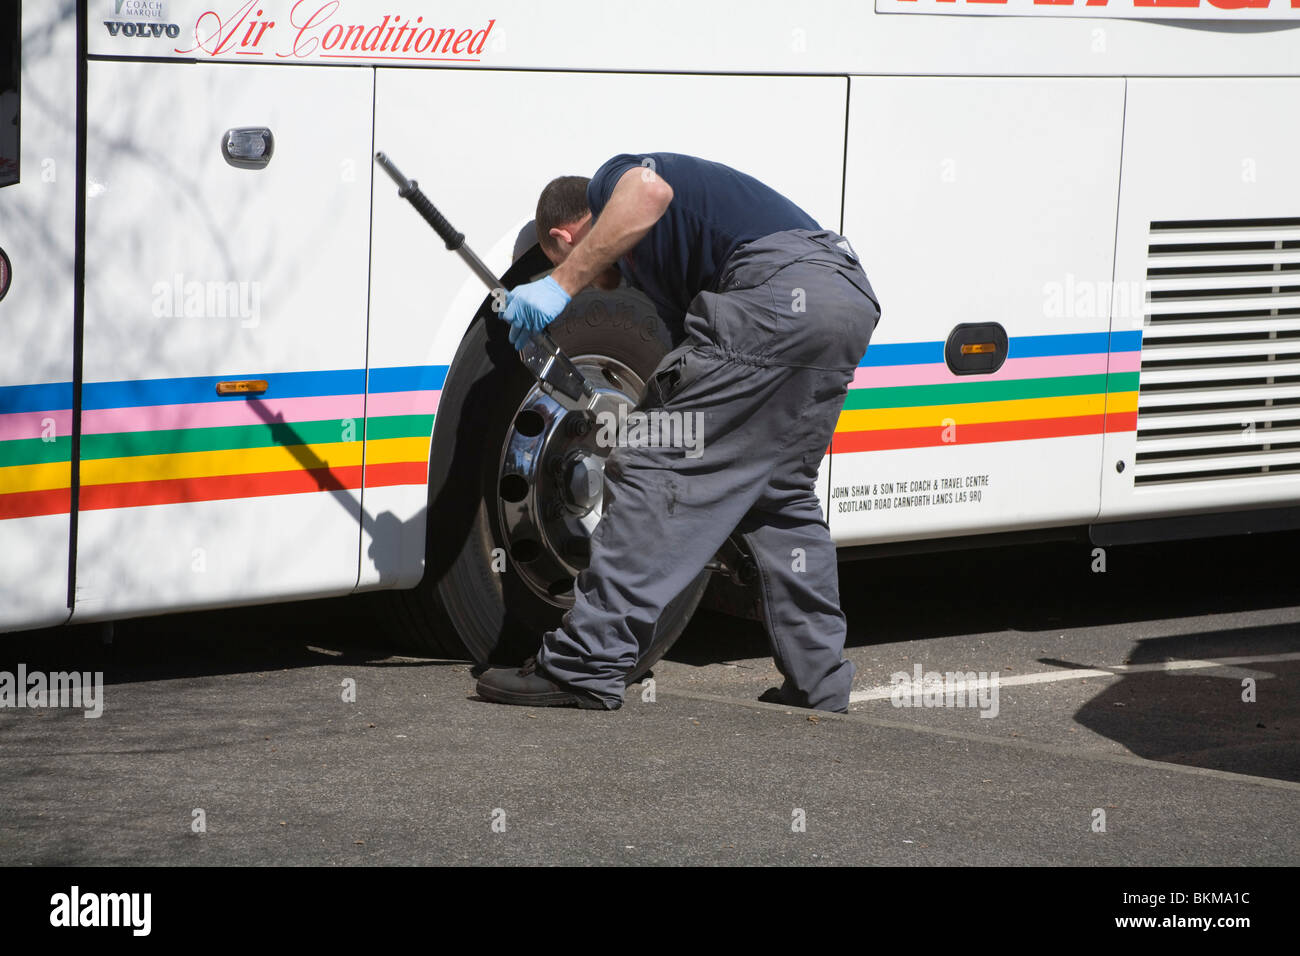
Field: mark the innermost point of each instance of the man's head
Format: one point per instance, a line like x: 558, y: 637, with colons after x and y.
x: 563, y: 217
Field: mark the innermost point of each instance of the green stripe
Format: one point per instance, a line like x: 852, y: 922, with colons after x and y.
x: 35, y: 451
x: 399, y: 426
x: 230, y: 437
x: 222, y: 438
x: 912, y: 396
x: 1123, y: 382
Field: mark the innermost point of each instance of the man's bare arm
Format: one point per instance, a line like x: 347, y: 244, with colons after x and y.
x: 639, y: 200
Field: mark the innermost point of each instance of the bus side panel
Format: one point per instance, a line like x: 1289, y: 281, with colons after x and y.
x: 37, y: 234
x: 1208, y: 260
x: 978, y: 200
x: 483, y: 144
x: 757, y: 36
x: 200, y: 272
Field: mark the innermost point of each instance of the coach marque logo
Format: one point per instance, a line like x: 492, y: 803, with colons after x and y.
x: 143, y: 30
x: 140, y: 9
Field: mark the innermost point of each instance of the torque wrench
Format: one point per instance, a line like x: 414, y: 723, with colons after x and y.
x: 555, y: 373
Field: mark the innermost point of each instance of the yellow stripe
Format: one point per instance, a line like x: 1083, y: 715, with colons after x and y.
x: 970, y: 413
x: 1121, y: 402
x: 243, y: 461
x: 40, y: 477
x: 384, y: 451
x: 205, y: 464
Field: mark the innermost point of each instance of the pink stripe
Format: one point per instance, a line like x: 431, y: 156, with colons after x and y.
x: 937, y: 373
x: 102, y: 421
x: 1126, y: 362
x: 31, y: 424
x: 402, y: 403
x: 147, y: 418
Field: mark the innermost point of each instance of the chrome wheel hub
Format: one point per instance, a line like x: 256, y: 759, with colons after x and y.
x: 550, y: 485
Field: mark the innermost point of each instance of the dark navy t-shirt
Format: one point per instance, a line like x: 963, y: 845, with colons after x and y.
x: 714, y: 209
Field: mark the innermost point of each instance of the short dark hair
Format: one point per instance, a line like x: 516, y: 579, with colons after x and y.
x: 564, y: 200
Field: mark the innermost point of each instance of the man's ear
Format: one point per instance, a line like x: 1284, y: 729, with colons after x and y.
x: 559, y: 235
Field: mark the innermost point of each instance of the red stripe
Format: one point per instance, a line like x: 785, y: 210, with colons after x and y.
x: 976, y: 433
x: 218, y: 487
x: 263, y: 484
x: 29, y: 504
x: 1121, y: 422
x: 396, y: 473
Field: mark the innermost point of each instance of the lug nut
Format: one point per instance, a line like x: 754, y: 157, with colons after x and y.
x: 579, y: 426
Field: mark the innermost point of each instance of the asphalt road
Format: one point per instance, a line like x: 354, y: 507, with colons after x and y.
x: 1121, y: 737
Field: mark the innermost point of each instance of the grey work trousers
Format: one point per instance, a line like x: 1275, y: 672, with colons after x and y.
x: 766, y: 364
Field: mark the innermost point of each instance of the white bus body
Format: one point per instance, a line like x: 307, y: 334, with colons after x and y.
x: 1017, y: 163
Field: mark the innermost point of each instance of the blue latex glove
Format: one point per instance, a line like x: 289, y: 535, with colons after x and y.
x: 532, y: 307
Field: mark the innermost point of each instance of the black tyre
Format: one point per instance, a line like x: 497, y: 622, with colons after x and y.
x: 514, y: 482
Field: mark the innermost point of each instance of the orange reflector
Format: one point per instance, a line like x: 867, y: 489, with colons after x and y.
x: 245, y: 386
x: 978, y: 348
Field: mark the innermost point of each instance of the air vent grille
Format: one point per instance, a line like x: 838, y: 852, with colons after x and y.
x: 1219, y: 392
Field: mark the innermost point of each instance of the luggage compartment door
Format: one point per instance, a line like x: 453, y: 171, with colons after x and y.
x: 206, y: 266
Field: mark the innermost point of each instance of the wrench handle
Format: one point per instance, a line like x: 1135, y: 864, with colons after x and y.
x: 554, y: 371
x: 410, y: 190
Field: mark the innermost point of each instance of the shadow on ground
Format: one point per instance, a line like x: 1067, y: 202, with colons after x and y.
x: 910, y: 598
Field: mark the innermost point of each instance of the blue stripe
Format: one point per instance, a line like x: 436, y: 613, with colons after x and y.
x: 183, y: 391
x: 903, y: 353
x: 1126, y: 341
x: 1021, y: 346
x: 408, y: 378
x: 1043, y: 346
x: 54, y: 396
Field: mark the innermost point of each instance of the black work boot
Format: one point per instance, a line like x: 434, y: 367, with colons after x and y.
x: 527, y: 686
x: 778, y: 695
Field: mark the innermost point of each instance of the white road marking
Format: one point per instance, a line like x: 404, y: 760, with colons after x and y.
x: 885, y: 691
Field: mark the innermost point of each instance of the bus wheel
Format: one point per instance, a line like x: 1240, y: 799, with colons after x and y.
x: 515, y: 481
